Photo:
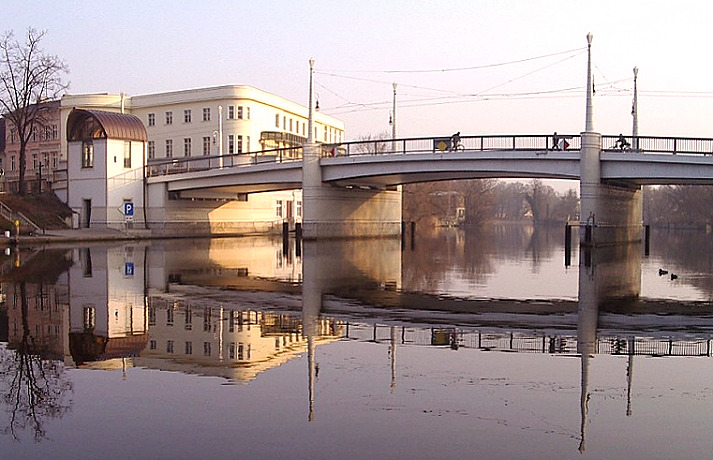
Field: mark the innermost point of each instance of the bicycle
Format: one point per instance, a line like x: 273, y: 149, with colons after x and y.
x: 457, y: 145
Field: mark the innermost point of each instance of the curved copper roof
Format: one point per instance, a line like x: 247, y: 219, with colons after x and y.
x: 85, y: 124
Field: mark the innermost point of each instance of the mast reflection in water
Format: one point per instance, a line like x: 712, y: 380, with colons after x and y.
x: 384, y: 349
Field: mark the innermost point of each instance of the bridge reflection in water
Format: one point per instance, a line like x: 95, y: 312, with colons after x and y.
x: 151, y: 305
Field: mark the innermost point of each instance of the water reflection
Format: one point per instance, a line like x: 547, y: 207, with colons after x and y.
x: 239, y: 308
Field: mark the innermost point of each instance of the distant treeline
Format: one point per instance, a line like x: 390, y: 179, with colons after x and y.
x: 475, y: 202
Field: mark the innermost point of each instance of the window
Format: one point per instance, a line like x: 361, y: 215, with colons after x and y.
x: 240, y: 144
x: 278, y: 208
x: 206, y: 145
x: 247, y: 143
x: 206, y: 113
x: 298, y: 208
x: 89, y: 317
x: 231, y: 144
x: 231, y: 350
x: 169, y: 316
x: 34, y: 161
x: 187, y: 116
x: 169, y: 346
x: 290, y: 124
x: 127, y: 154
x: 48, y: 133
x: 240, y: 112
x: 231, y: 112
x: 187, y: 147
x: 12, y: 136
x: 152, y: 150
x: 169, y: 118
x: 284, y: 122
x: 152, y: 344
x: 169, y: 148
x: 189, y: 319
x: 152, y: 119
x: 55, y: 131
x: 189, y: 348
x: 241, y: 351
x: 277, y: 120
x: 12, y: 163
x: 247, y: 110
x: 206, y: 349
x: 54, y: 160
x: 87, y: 155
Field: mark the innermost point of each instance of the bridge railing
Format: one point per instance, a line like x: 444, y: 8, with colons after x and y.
x: 165, y: 166
x: 658, y: 144
x: 537, y: 142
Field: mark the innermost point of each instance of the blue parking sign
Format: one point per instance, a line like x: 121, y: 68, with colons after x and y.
x: 128, y: 208
x: 128, y: 269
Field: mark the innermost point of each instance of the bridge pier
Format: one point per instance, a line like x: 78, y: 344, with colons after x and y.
x: 339, y: 212
x: 610, y: 213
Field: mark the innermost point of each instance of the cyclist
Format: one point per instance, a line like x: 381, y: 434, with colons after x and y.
x: 622, y: 143
x: 455, y: 141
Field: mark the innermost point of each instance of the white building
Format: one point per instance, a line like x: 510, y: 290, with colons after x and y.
x: 227, y: 120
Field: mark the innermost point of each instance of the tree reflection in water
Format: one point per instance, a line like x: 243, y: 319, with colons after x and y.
x: 33, y: 385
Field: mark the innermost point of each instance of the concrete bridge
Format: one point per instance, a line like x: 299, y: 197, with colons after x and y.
x: 352, y: 189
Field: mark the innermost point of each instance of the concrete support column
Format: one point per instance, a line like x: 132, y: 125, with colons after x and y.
x: 589, y: 185
x: 344, y: 212
x: 610, y: 213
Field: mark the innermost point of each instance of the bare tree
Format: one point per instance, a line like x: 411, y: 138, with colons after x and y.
x: 28, y: 77
x: 373, y: 144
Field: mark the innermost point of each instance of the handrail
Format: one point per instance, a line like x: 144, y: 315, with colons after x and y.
x: 438, y: 145
x: 9, y: 214
x: 176, y: 165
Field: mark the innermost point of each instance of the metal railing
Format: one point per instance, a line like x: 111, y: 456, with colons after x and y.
x: 658, y: 144
x: 485, y: 143
x: 527, y: 142
x: 177, y: 165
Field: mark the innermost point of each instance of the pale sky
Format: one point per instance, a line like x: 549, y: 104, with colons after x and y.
x: 475, y: 66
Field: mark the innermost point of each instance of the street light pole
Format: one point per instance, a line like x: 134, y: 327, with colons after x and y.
x: 310, y: 124
x: 220, y: 136
x: 635, y: 114
x: 393, y: 122
x: 588, y: 121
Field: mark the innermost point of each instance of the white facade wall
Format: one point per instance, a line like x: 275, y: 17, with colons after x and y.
x: 253, y: 113
x: 107, y: 184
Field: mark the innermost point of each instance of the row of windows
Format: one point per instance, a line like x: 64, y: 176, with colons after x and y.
x: 283, y: 208
x: 243, y: 352
x: 88, y: 154
x: 38, y: 161
x: 242, y: 112
x: 48, y: 133
x: 331, y: 135
x: 236, y: 144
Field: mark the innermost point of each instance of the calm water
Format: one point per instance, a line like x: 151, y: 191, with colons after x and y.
x: 451, y: 345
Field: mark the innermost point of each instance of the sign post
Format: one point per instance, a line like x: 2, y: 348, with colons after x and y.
x: 128, y: 213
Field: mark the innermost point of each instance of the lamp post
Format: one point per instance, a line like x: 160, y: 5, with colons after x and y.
x: 310, y: 123
x: 220, y: 136
x: 393, y: 122
x: 588, y: 121
x: 635, y: 115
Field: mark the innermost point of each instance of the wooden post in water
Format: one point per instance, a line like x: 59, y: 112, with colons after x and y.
x: 567, y: 245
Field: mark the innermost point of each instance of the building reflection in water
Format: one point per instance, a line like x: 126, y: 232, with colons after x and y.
x: 133, y: 305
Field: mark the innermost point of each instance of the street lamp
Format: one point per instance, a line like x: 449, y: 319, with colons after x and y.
x: 588, y: 121
x: 393, y: 122
x: 635, y: 114
x: 310, y: 124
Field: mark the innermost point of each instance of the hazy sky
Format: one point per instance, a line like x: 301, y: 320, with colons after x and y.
x: 479, y: 67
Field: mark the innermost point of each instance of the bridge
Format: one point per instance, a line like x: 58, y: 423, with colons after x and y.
x: 391, y: 162
x: 359, y: 172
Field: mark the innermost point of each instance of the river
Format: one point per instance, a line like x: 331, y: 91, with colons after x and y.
x: 489, y: 344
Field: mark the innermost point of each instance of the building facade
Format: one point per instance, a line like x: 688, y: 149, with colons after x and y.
x: 43, y: 155
x: 219, y: 121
